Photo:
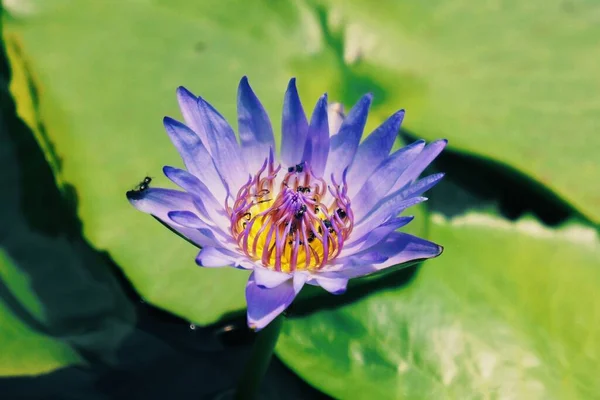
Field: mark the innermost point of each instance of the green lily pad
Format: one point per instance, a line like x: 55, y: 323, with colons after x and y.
x: 514, y: 82
x: 58, y: 297
x: 510, y: 310
x: 107, y: 75
x: 26, y: 350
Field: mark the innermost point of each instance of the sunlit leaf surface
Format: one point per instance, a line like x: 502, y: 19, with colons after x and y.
x: 510, y: 310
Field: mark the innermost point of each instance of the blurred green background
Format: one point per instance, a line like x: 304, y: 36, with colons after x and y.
x: 96, y: 297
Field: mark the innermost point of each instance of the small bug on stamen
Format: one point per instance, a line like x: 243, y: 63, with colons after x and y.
x: 247, y: 216
x: 303, y: 189
x: 297, y: 168
x: 300, y: 211
x: 341, y: 213
x: 328, y: 225
x: 311, y: 236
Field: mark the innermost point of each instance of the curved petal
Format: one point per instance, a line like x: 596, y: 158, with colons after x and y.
x: 223, y: 146
x: 202, y: 195
x: 214, y: 257
x: 387, y: 208
x: 188, y: 104
x: 422, y: 161
x: 374, y: 236
x: 187, y: 219
x: 335, y: 117
x: 159, y: 202
x: 422, y: 185
x: 317, y: 141
x: 372, y: 151
x: 332, y: 285
x: 254, y: 127
x: 294, y: 127
x: 383, y: 178
x: 264, y: 305
x: 344, y: 144
x: 266, y: 278
x: 398, y: 248
x: 195, y: 156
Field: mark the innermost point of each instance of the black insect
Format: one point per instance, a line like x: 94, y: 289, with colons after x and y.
x: 328, y: 225
x: 341, y: 213
x: 303, y: 189
x: 311, y: 236
x: 139, y: 189
x: 297, y: 168
x: 300, y: 211
x: 143, y: 185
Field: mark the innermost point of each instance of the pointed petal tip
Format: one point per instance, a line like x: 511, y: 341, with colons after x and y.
x: 440, y: 250
x: 291, y: 87
x: 133, y: 196
x: 169, y: 122
x: 182, y: 91
x: 244, y: 84
x: 167, y: 170
x: 255, y: 326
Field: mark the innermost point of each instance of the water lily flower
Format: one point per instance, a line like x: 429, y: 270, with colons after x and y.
x: 323, y: 211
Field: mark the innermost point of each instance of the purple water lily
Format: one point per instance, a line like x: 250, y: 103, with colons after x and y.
x: 325, y: 211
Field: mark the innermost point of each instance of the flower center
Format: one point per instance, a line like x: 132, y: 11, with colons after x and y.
x: 293, y: 222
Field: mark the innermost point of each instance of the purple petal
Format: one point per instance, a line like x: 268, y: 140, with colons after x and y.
x: 383, y: 179
x: 422, y: 185
x: 254, y: 127
x: 266, y: 278
x: 429, y: 153
x: 264, y: 305
x: 209, y: 206
x: 332, y: 285
x: 294, y: 127
x: 223, y: 146
x: 159, y: 202
x: 187, y: 219
x: 345, y: 143
x: 373, y: 150
x: 317, y: 141
x: 387, y: 208
x: 188, y: 103
x: 335, y: 117
x: 398, y: 248
x: 195, y: 156
x: 374, y: 236
x: 214, y: 257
